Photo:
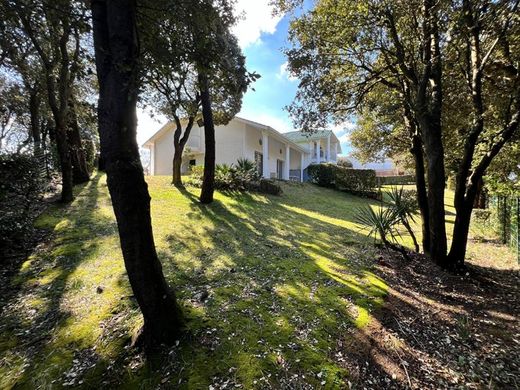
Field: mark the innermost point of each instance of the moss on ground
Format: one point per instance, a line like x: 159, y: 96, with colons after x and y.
x: 288, y: 278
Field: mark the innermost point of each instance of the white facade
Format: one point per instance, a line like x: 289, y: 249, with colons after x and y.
x: 242, y: 138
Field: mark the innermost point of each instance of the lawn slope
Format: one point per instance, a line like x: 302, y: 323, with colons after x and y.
x: 272, y: 288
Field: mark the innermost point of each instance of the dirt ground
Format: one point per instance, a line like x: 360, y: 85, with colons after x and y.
x: 437, y: 330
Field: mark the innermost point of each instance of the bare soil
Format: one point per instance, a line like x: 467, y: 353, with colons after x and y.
x: 437, y: 330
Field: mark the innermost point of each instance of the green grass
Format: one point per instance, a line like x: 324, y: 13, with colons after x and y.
x: 288, y: 278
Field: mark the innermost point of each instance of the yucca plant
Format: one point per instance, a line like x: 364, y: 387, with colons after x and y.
x: 246, y: 169
x: 379, y: 223
x: 405, y: 205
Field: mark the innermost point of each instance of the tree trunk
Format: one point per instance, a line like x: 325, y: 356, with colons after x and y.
x: 116, y: 49
x: 65, y: 162
x: 80, y: 173
x: 208, y: 182
x: 177, y: 163
x: 429, y: 115
x: 34, y: 109
x: 178, y: 145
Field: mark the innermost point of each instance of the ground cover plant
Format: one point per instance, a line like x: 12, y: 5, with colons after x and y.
x: 268, y: 284
x: 279, y: 291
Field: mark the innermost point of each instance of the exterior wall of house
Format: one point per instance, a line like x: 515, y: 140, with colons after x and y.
x: 237, y: 139
x: 252, y: 138
x: 163, y: 151
x: 229, y: 142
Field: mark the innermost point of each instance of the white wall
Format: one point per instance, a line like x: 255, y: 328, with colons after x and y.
x: 163, y: 156
x: 229, y: 142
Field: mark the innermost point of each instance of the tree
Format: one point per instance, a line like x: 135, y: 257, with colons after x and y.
x: 344, y: 50
x: 390, y: 61
x: 117, y: 58
x: 221, y: 69
x: 170, y: 57
x: 489, y: 43
x: 54, y: 32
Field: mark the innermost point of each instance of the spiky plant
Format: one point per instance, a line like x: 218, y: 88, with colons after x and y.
x: 379, y: 223
x: 405, y: 205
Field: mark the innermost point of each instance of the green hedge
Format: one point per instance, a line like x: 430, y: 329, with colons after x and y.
x: 21, y: 187
x: 396, y: 180
x: 356, y: 181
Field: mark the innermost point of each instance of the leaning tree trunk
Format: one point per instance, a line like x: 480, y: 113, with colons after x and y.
x: 208, y: 182
x: 80, y: 173
x: 116, y: 49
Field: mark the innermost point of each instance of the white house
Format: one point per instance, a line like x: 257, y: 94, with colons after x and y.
x: 277, y: 155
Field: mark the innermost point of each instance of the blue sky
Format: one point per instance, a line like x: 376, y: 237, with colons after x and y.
x: 262, y: 37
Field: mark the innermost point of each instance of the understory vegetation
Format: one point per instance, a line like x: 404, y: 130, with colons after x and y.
x: 268, y: 284
x: 273, y: 287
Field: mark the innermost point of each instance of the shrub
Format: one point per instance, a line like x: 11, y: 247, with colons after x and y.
x: 269, y: 186
x: 240, y: 177
x: 395, y: 180
x: 21, y: 185
x: 322, y: 174
x: 356, y: 181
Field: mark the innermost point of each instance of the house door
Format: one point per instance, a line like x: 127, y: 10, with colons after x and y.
x: 259, y: 161
x: 279, y: 169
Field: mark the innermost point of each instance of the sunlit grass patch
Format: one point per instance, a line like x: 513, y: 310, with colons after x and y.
x: 283, y: 278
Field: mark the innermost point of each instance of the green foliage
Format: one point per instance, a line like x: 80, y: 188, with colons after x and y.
x: 322, y: 174
x: 395, y: 180
x: 20, y: 188
x: 356, y: 181
x: 242, y: 176
x: 345, y: 162
x: 384, y: 222
x: 269, y: 186
x: 405, y: 203
x: 379, y: 223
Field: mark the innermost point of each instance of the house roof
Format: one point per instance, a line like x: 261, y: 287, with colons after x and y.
x: 300, y: 136
x: 272, y: 132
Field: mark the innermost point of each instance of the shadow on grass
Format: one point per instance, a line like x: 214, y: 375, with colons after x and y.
x: 282, y: 287
x: 37, y: 309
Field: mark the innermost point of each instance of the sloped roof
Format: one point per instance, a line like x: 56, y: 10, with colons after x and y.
x: 299, y: 136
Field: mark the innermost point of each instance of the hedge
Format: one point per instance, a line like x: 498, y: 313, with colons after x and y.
x: 396, y: 180
x: 20, y: 188
x: 356, y: 181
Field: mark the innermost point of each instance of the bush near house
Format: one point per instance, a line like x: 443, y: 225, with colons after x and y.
x: 356, y: 181
x: 20, y: 187
x: 242, y: 176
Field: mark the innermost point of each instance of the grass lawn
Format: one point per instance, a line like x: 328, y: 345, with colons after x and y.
x: 288, y: 278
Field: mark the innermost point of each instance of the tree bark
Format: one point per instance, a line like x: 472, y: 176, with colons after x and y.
x: 178, y: 146
x: 208, y: 181
x: 80, y: 173
x: 429, y: 113
x: 177, y: 164
x: 420, y: 181
x: 116, y: 49
x: 62, y: 145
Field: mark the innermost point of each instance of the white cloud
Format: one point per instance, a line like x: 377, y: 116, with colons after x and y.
x: 256, y: 17
x: 284, y: 73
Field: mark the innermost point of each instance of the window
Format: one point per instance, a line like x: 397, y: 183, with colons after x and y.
x: 193, y: 162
